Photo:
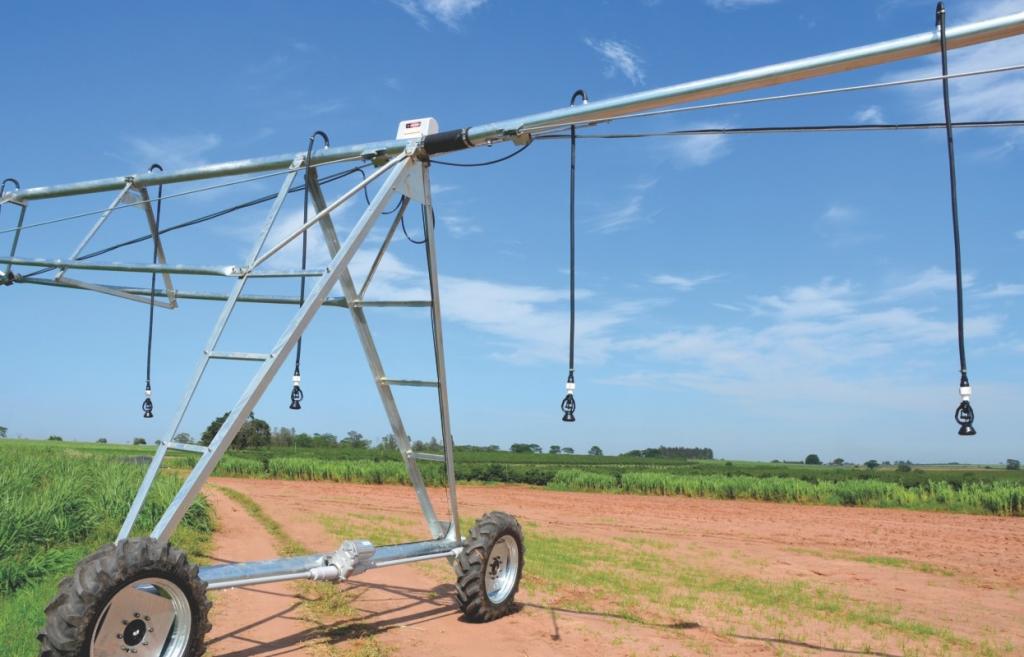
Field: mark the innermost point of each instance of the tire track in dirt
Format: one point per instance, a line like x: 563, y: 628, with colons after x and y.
x: 252, y: 621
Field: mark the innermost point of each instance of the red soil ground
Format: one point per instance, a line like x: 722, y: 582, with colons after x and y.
x: 949, y: 584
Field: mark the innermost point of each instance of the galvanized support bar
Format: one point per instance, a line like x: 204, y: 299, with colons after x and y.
x: 230, y: 271
x: 484, y: 135
x: 427, y: 456
x: 96, y: 226
x: 236, y: 355
x: 106, y: 289
x: 14, y: 242
x: 384, y: 246
x: 158, y: 244
x: 258, y: 384
x: 188, y: 447
x: 416, y: 383
x: 442, y: 377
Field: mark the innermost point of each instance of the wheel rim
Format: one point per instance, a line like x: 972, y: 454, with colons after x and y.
x: 502, y: 569
x: 147, y: 618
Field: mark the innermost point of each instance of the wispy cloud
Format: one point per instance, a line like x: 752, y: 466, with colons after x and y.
x: 449, y: 12
x: 701, y: 150
x: 1019, y: 234
x: 1004, y: 290
x: 622, y: 216
x: 683, y: 283
x: 620, y: 58
x: 840, y: 225
x: 928, y: 281
x: 174, y: 152
x: 816, y: 341
x: 726, y: 5
x: 872, y: 114
x: 460, y: 226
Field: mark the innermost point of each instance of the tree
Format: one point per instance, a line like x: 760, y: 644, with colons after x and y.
x: 254, y: 433
x: 871, y: 464
x: 326, y: 440
x: 56, y: 438
x: 102, y: 441
x: 838, y: 461
x: 387, y: 442
x: 812, y: 459
x: 596, y: 451
x: 138, y: 441
x: 183, y: 438
x: 354, y: 440
x: 3, y: 432
x: 283, y: 437
x: 568, y: 450
x: 526, y: 448
x: 903, y: 467
x: 1012, y: 464
x: 554, y: 449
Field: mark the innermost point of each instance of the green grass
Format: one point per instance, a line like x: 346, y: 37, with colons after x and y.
x: 643, y: 584
x: 56, y: 507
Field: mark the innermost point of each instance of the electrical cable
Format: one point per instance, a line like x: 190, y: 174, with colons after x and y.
x: 489, y: 162
x: 147, y: 403
x: 964, y: 413
x: 569, y: 401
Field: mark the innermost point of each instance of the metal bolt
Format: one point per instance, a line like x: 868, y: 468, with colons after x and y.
x: 124, y: 622
x: 136, y: 614
x: 119, y: 636
x: 146, y: 618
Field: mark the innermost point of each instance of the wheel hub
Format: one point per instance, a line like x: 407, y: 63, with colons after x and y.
x: 502, y: 569
x: 146, y: 618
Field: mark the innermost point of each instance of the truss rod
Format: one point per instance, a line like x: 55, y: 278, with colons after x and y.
x: 233, y: 271
x: 604, y: 110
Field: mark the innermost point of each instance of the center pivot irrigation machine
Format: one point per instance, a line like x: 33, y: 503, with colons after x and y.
x: 140, y: 596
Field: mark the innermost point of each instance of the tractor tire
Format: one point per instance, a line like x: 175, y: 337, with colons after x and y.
x: 137, y: 598
x: 489, y: 568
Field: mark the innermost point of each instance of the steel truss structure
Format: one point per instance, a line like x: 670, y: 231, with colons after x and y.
x: 403, y: 168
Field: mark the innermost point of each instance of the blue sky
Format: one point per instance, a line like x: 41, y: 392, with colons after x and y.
x: 766, y: 296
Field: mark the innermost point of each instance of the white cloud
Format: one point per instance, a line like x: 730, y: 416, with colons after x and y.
x: 682, y: 283
x: 1004, y: 290
x: 619, y: 218
x: 179, y: 152
x: 460, y: 226
x: 930, y: 280
x: 1019, y: 234
x: 725, y: 5
x: 838, y: 215
x: 872, y: 114
x: 620, y: 58
x: 701, y: 150
x: 449, y: 12
x: 819, y: 341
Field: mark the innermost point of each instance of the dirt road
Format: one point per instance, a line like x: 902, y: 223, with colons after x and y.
x: 630, y: 575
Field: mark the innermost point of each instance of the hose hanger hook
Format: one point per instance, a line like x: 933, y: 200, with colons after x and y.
x: 3, y: 185
x: 297, y: 395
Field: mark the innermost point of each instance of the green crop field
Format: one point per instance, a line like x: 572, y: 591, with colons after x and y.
x: 57, y: 505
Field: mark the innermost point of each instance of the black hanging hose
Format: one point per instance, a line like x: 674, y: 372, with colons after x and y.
x: 147, y: 403
x: 964, y: 413
x: 569, y: 401
x: 297, y: 395
x: 7, y: 278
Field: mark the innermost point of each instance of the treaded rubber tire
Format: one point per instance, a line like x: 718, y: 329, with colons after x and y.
x: 71, y: 617
x: 470, y: 566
